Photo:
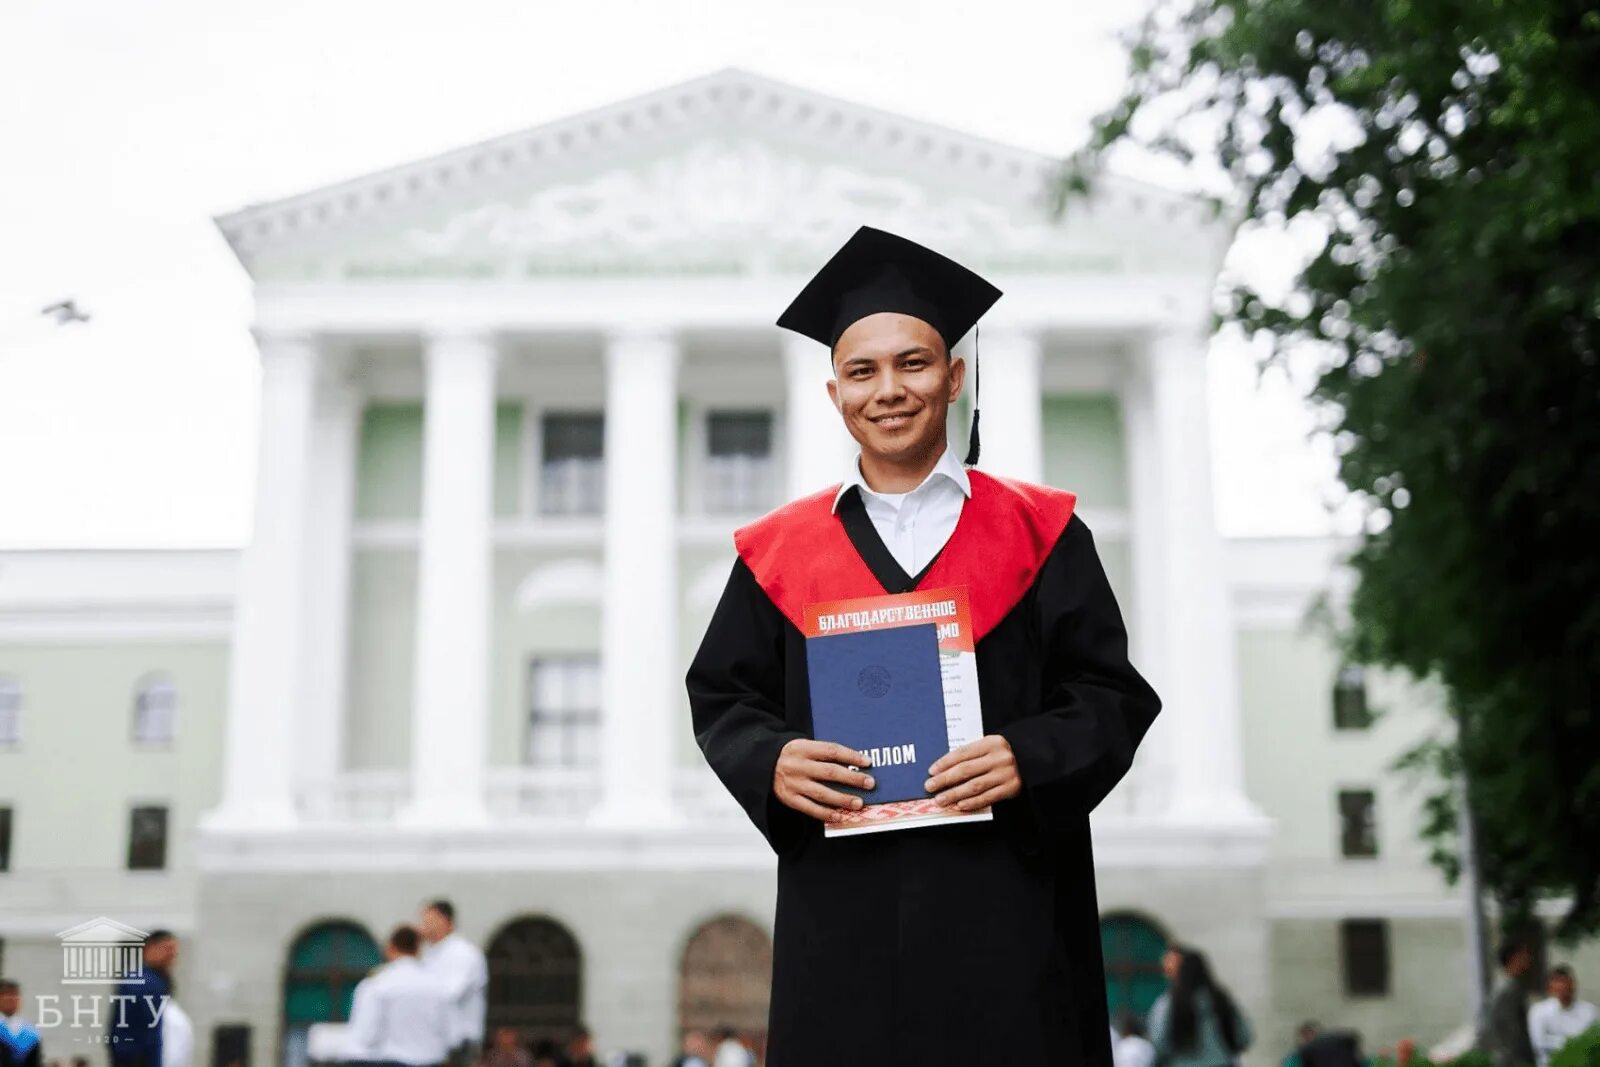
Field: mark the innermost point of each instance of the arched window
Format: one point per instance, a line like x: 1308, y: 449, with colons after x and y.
x: 10, y: 711
x: 535, y: 980
x: 325, y: 963
x: 726, y: 979
x: 1133, y: 947
x: 1350, y: 711
x: 155, y: 710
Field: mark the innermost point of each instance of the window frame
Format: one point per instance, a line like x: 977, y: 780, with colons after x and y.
x: 1345, y: 718
x: 1357, y: 983
x: 703, y: 459
x: 535, y: 416
x: 145, y: 683
x: 12, y: 711
x: 1340, y: 821
x: 564, y: 718
x: 134, y: 811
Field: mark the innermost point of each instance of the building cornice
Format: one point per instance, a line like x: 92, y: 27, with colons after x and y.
x: 729, y: 100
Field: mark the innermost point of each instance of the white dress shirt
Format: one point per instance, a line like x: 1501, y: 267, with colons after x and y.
x: 401, y: 1014
x: 914, y: 525
x: 459, y: 965
x: 1550, y: 1025
x: 177, y: 1036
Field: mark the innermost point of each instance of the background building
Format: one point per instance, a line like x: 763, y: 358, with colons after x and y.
x: 515, y: 399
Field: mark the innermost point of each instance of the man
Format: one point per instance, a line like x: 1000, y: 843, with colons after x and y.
x: 580, y: 1048
x: 459, y: 966
x: 957, y: 944
x: 1560, y: 1017
x: 507, y: 1050
x: 731, y: 1052
x: 1130, y: 1048
x: 400, y: 1014
x: 138, y: 1007
x: 19, y: 1041
x: 694, y: 1051
x: 1503, y: 1030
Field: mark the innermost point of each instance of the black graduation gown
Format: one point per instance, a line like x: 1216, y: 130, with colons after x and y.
x: 961, y: 945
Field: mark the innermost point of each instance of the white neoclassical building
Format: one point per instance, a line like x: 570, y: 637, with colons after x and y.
x: 514, y: 400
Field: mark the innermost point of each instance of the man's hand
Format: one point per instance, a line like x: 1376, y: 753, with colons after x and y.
x: 804, y: 765
x: 976, y: 775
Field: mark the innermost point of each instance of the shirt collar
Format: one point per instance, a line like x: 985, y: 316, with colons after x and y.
x: 947, y: 467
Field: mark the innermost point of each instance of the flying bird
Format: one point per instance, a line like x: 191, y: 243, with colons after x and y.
x: 65, y: 312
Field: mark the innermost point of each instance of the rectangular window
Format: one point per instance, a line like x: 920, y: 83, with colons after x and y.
x: 1350, y: 711
x: 1364, y: 950
x: 155, y: 712
x: 739, y: 474
x: 1358, y: 822
x: 572, y: 474
x: 10, y: 711
x: 147, y: 838
x: 5, y: 839
x: 563, y: 712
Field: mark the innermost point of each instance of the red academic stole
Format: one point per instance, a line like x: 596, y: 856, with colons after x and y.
x: 800, y: 553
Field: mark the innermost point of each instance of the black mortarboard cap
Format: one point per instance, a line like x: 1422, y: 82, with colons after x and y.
x: 877, y: 271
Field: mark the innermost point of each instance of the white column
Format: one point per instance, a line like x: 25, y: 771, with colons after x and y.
x: 1147, y: 619
x: 450, y: 702
x: 264, y: 670
x: 819, y: 448
x: 1012, y: 441
x: 1201, y: 675
x: 326, y: 635
x: 642, y: 705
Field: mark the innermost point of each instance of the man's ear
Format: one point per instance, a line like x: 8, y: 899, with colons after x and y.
x: 833, y: 394
x: 958, y: 377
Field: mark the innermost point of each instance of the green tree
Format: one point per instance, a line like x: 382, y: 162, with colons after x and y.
x: 1450, y: 154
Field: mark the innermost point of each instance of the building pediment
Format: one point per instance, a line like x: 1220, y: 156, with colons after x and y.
x: 727, y: 175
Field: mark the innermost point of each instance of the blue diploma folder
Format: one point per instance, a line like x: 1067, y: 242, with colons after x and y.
x: 881, y: 689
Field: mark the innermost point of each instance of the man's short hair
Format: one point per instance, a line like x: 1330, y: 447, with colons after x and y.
x: 444, y: 907
x: 1561, y: 970
x: 405, y: 940
x: 8, y: 985
x: 157, y: 936
x: 1509, y: 948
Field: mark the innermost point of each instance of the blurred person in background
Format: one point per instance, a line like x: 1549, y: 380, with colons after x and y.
x: 731, y: 1051
x: 1195, y: 1023
x: 695, y: 1051
x: 507, y: 1051
x: 19, y: 1041
x: 1302, y: 1033
x: 459, y: 965
x: 401, y: 1014
x: 135, y: 1030
x: 1131, y: 1048
x: 1559, y: 1017
x: 1503, y: 1027
x: 580, y: 1048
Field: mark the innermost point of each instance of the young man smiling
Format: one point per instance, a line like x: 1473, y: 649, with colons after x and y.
x: 972, y: 943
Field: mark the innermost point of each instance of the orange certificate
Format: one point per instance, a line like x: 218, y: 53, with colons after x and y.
x: 958, y: 672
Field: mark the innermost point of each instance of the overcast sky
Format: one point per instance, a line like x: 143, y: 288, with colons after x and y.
x: 125, y: 127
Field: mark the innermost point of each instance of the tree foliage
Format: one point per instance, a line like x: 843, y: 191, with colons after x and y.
x: 1448, y: 153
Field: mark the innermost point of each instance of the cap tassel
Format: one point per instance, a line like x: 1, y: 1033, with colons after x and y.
x: 972, y: 434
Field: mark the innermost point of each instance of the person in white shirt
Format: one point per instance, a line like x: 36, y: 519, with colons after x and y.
x: 459, y: 966
x: 401, y: 1014
x: 1560, y: 1017
x: 177, y: 1036
x: 1131, y: 1048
